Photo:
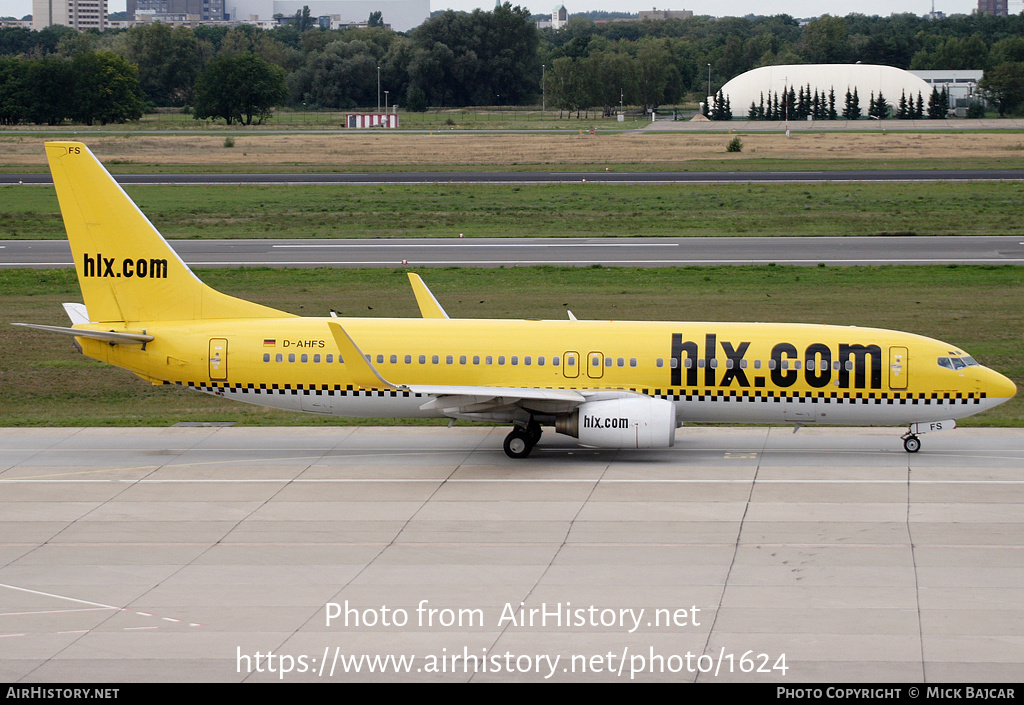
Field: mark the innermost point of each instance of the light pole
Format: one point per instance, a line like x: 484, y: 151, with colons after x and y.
x: 709, y: 86
x: 543, y: 91
x: 386, y: 100
x: 378, y: 89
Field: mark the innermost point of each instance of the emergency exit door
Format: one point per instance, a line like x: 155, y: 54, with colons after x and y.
x: 898, y: 372
x: 218, y: 359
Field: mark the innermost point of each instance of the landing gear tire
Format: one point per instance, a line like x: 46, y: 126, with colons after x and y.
x: 518, y: 443
x: 535, y: 432
x: 911, y: 444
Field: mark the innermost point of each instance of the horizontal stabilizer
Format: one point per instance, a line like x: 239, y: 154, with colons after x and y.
x: 105, y: 335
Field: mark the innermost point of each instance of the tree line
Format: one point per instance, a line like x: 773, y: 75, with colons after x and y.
x: 457, y: 59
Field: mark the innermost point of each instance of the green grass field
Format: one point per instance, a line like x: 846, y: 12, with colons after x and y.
x: 44, y: 381
x: 555, y: 210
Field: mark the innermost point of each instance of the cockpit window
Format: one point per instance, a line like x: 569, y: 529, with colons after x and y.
x: 956, y: 363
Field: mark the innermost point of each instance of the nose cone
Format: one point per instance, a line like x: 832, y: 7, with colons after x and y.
x: 997, y: 386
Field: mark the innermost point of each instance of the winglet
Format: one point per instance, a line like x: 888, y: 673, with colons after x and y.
x: 360, y: 370
x: 429, y: 308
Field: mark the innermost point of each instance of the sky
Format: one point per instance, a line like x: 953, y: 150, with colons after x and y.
x: 796, y: 8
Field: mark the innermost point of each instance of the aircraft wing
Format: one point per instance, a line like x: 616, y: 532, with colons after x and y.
x: 455, y: 400
x: 466, y: 400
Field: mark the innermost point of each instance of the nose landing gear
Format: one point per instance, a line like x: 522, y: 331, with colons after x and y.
x: 911, y: 443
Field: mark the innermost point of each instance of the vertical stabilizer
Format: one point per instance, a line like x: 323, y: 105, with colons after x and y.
x: 126, y: 269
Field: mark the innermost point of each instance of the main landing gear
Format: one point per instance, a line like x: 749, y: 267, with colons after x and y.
x: 911, y: 443
x: 521, y: 440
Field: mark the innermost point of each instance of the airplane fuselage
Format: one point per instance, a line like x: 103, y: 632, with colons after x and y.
x: 712, y: 372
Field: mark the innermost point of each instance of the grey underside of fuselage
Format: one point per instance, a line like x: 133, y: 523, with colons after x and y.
x: 882, y: 409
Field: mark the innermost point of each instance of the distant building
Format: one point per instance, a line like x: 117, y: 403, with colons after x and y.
x: 994, y: 7
x: 176, y: 10
x: 559, y: 16
x: 79, y: 14
x: 402, y: 15
x: 960, y: 84
x: 867, y: 79
x: 657, y: 14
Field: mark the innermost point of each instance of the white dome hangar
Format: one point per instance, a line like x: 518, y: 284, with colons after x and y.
x: 748, y: 87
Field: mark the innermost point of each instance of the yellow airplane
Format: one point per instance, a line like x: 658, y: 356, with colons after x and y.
x: 609, y: 384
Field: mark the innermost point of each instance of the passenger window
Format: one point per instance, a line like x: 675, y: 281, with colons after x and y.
x: 394, y: 359
x: 462, y: 359
x: 305, y: 357
x: 380, y: 359
x: 330, y: 358
x: 515, y: 359
x: 659, y: 362
x: 449, y: 360
x: 489, y: 360
x: 408, y: 359
x: 279, y: 358
x: 501, y: 359
x: 423, y: 359
x: 632, y: 362
x: 476, y: 359
x: 556, y: 361
x: 527, y: 360
x: 266, y: 357
x: 757, y: 364
x: 316, y: 358
x: 291, y: 357
x: 540, y: 361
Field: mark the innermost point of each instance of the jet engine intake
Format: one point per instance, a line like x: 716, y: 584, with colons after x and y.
x: 627, y: 422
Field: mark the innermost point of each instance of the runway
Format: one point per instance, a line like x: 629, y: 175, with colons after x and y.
x: 742, y: 554
x: 549, y: 177
x: 495, y: 252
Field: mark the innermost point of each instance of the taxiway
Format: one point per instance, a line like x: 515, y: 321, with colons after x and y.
x: 179, y: 554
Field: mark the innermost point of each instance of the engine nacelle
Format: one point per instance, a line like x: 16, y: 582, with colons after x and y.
x: 627, y: 422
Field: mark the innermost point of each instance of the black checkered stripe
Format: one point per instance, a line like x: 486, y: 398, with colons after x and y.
x: 890, y: 398
x: 296, y: 389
